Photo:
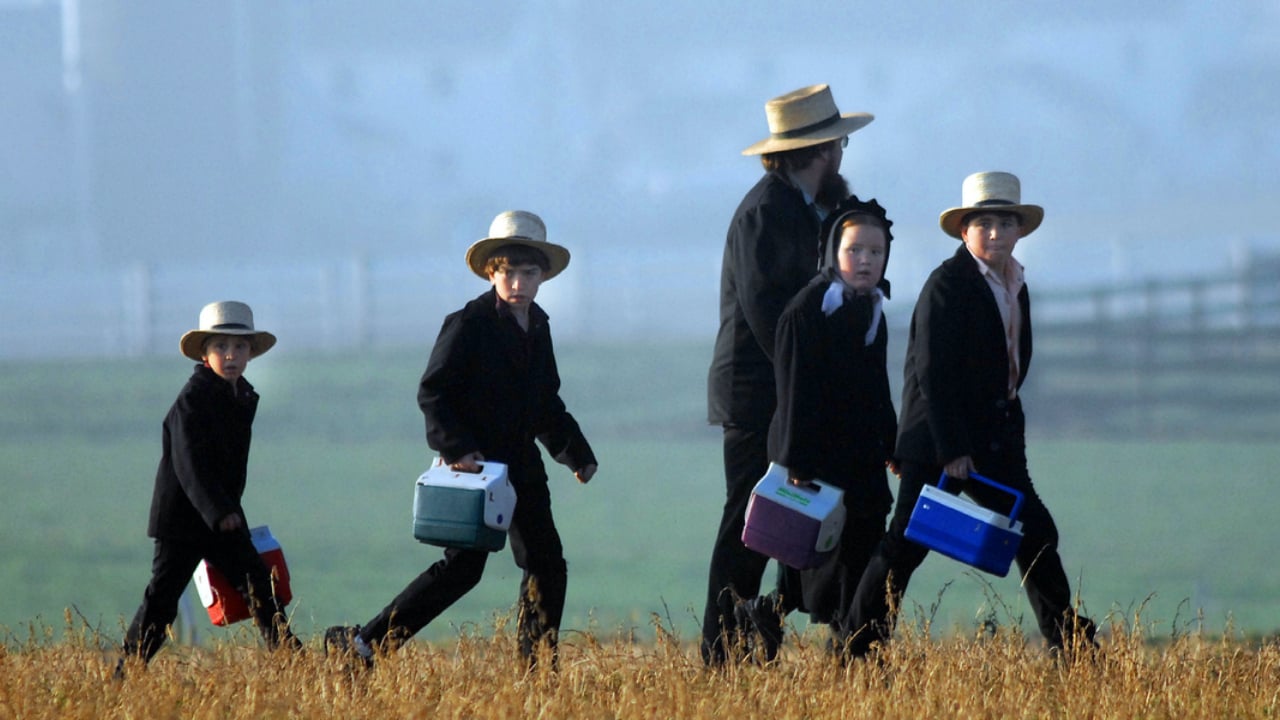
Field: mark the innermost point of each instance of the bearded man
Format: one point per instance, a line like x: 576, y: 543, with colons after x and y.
x: 770, y: 254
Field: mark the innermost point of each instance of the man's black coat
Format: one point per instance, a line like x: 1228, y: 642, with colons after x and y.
x: 770, y: 253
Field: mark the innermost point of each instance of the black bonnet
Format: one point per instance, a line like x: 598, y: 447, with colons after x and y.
x: 827, y: 244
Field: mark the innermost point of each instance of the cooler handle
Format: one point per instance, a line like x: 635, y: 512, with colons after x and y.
x: 1018, y: 497
x: 441, y: 463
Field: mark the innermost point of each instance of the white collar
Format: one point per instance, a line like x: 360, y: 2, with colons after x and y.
x: 834, y: 298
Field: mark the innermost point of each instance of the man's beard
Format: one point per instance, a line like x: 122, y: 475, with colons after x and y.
x: 831, y: 190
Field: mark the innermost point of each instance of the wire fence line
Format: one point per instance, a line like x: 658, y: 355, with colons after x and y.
x: 374, y: 303
x: 342, y: 303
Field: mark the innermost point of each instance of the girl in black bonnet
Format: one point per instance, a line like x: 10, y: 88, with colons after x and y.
x: 835, y: 419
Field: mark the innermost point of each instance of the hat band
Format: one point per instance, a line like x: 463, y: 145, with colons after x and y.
x: 800, y: 132
x: 230, y: 326
x: 986, y: 203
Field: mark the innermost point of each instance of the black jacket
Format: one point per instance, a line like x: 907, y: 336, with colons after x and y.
x: 205, y: 457
x: 770, y: 253
x: 835, y: 419
x: 955, y: 391
x: 493, y: 388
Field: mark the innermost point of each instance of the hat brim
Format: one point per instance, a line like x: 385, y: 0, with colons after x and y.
x: 479, y: 252
x: 846, y: 125
x: 192, y: 342
x: 1032, y: 216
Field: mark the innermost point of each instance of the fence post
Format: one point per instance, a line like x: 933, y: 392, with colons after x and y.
x: 136, y: 285
x: 361, y: 301
x: 1198, y: 319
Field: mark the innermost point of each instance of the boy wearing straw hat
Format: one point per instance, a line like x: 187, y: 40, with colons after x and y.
x: 490, y: 389
x: 967, y: 355
x: 195, y: 508
x: 770, y: 253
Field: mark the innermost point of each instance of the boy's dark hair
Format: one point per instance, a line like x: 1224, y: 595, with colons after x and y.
x: 515, y: 254
x: 785, y: 161
x: 964, y: 221
x: 204, y: 345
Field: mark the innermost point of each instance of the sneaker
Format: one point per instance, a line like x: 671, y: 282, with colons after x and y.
x: 344, y: 641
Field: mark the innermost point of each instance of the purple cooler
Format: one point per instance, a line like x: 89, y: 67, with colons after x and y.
x: 963, y: 530
x: 797, y: 526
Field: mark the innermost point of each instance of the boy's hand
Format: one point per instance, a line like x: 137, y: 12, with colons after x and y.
x: 960, y: 467
x: 585, y: 473
x: 230, y: 523
x: 468, y: 463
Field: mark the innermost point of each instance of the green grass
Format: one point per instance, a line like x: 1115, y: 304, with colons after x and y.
x: 1171, y: 530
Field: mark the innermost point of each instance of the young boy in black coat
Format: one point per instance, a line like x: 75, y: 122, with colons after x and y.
x: 195, y: 508
x: 967, y: 356
x: 490, y: 389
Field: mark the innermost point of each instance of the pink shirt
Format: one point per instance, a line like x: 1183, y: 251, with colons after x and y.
x: 1005, y: 289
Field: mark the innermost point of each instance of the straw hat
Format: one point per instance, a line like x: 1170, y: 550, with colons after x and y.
x: 517, y: 227
x: 991, y: 191
x: 225, y: 318
x: 805, y: 117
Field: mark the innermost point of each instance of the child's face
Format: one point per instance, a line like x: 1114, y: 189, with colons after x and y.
x: 227, y: 355
x: 991, y: 238
x: 517, y: 285
x: 861, y: 257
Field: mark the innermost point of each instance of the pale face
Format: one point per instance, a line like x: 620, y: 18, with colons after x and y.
x: 227, y: 355
x: 517, y: 285
x: 861, y: 257
x: 991, y: 238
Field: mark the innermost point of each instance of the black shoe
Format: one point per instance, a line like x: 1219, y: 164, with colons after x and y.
x: 340, y: 640
x: 761, y: 615
x: 1075, y: 641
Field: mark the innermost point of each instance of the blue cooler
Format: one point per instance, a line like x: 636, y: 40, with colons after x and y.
x: 797, y: 526
x: 465, y: 510
x: 963, y: 530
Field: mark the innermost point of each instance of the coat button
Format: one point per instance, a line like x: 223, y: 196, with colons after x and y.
x: 1001, y: 404
x: 995, y: 446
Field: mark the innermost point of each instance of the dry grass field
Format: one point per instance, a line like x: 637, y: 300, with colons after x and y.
x: 1003, y: 674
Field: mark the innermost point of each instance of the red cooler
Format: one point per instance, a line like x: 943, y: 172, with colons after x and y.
x: 220, y: 598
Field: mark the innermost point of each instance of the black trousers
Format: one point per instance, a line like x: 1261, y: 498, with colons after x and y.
x: 171, y: 568
x: 536, y: 547
x: 735, y: 570
x: 869, y: 619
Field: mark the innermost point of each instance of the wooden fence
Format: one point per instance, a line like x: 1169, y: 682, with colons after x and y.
x: 1180, y: 359
x: 1162, y: 358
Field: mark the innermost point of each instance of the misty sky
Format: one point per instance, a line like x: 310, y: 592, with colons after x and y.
x: 282, y: 132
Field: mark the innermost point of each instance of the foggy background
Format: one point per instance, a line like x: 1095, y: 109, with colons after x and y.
x: 329, y: 162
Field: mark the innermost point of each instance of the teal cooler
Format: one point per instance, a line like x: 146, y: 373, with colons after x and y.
x: 963, y: 530
x: 471, y: 511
